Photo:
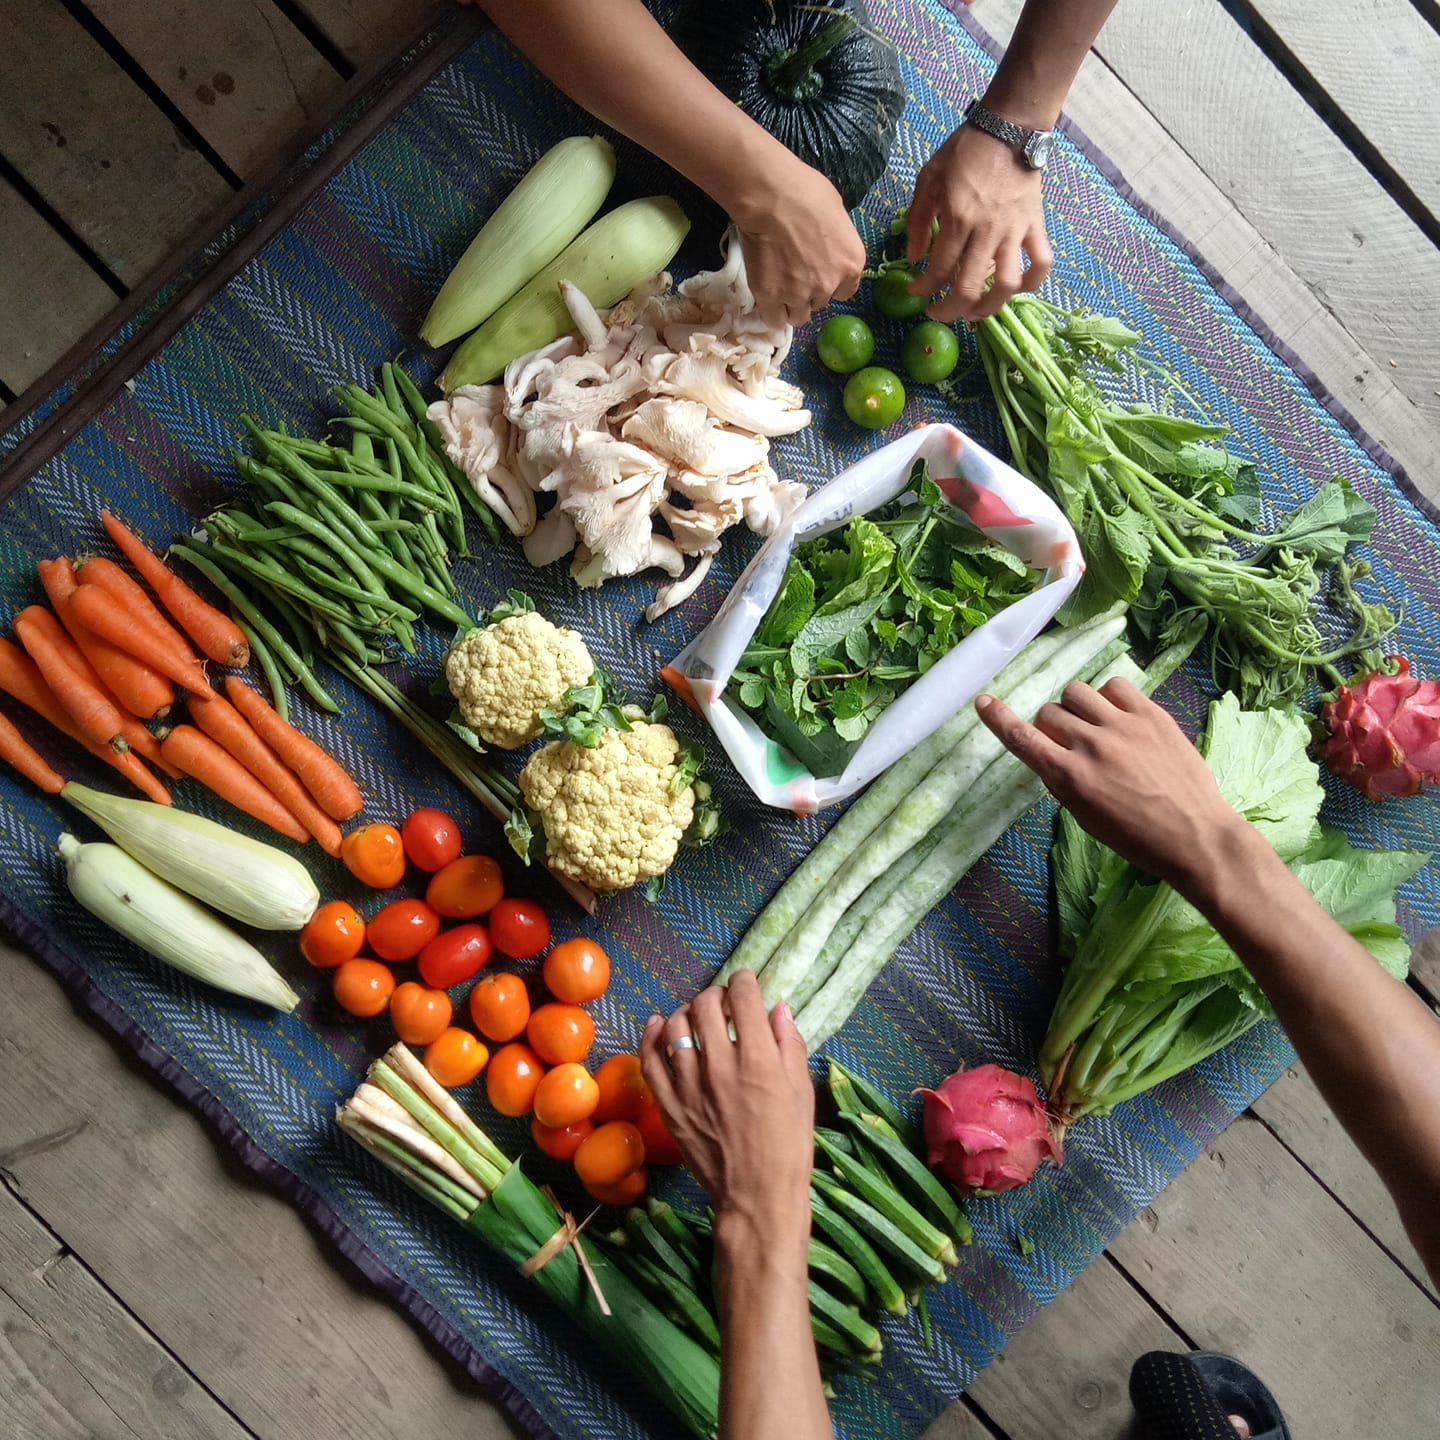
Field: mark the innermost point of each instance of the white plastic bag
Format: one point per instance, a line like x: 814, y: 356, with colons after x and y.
x: 996, y: 499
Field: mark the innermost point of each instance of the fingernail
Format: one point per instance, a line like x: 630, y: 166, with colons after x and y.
x: 653, y: 1021
x: 783, y: 1010
x: 984, y: 702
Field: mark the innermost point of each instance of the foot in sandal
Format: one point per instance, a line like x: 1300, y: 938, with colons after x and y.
x: 1203, y: 1396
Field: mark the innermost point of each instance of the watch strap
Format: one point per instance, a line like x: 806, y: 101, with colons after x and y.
x: 1015, y: 136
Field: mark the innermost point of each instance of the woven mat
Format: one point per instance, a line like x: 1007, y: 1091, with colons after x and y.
x: 344, y: 287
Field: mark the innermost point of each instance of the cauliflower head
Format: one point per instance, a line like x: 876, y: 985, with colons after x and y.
x: 503, y: 675
x: 611, y: 819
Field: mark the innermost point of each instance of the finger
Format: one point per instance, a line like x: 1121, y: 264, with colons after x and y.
x: 712, y: 1030
x: 682, y: 1060
x: 1008, y: 275
x: 1125, y: 696
x: 944, y: 258
x: 747, y: 1010
x: 919, y: 223
x: 848, y: 285
x: 1042, y: 258
x: 656, y: 1070
x: 1023, y: 741
x: 976, y: 266
x: 1090, y: 705
x: 791, y: 1044
x: 1065, y: 729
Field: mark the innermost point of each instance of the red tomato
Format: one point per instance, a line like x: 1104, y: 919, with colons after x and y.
x: 519, y: 928
x: 625, y: 1191
x: 610, y: 1154
x: 374, y: 855
x: 560, y: 1033
x: 500, y: 1006
x: 566, y: 1094
x: 402, y: 929
x: 515, y: 1075
x: 465, y: 888
x: 363, y: 987
x: 660, y: 1146
x: 419, y: 1015
x: 432, y: 839
x: 623, y: 1091
x: 454, y: 956
x: 562, y: 1141
x: 455, y: 1057
x: 332, y: 935
x: 577, y: 971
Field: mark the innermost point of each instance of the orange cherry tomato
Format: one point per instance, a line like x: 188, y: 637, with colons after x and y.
x: 333, y: 934
x: 559, y: 1033
x: 623, y: 1091
x: 515, y: 1075
x: 625, y: 1191
x: 660, y: 1146
x: 610, y: 1154
x: 419, y: 1015
x: 560, y: 1142
x: 500, y: 1006
x: 363, y: 987
x: 519, y: 928
x: 455, y: 1057
x: 465, y: 888
x: 577, y: 971
x: 402, y: 929
x: 566, y: 1094
x: 432, y: 839
x: 454, y: 955
x: 374, y: 855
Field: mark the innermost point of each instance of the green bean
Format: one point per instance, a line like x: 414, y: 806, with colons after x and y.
x: 270, y: 575
x: 413, y: 398
x: 383, y: 523
x: 331, y: 539
x: 328, y: 501
x: 361, y: 448
x: 372, y: 611
x: 260, y: 651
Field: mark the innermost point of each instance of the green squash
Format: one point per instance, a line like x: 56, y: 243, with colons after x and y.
x: 814, y: 74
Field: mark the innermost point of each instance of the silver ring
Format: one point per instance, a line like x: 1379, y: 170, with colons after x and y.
x: 681, y: 1042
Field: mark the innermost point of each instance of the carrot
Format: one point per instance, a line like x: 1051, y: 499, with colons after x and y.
x: 321, y: 774
x: 214, y: 767
x: 20, y: 677
x: 223, y: 723
x: 217, y: 635
x: 137, y: 685
x: 131, y: 596
x: 97, y: 611
x: 18, y: 751
x: 85, y: 702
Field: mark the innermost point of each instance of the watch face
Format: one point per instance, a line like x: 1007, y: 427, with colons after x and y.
x: 1038, y: 148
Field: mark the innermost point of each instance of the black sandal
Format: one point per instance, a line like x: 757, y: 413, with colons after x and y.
x: 1191, y: 1397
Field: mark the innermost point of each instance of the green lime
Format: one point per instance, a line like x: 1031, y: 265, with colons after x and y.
x: 893, y: 297
x: 930, y: 352
x: 845, y: 343
x: 874, y: 397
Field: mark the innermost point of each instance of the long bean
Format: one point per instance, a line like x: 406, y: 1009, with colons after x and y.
x: 279, y: 697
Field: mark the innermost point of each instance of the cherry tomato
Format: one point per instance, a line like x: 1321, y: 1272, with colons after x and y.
x: 560, y: 1033
x: 374, y: 855
x: 402, y: 929
x: 610, y: 1154
x: 333, y: 934
x: 465, y: 887
x: 623, y: 1091
x: 515, y: 1075
x: 519, y: 928
x: 363, y: 987
x: 454, y: 956
x: 419, y: 1015
x: 625, y: 1191
x: 577, y: 971
x: 566, y: 1094
x: 874, y: 397
x: 845, y: 343
x: 455, y: 1057
x: 500, y: 1006
x: 432, y: 839
x: 660, y: 1146
x: 560, y: 1142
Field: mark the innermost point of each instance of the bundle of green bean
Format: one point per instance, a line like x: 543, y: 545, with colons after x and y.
x: 902, y: 846
x: 884, y: 1228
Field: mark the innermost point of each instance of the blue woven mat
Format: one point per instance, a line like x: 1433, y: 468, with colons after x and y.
x: 342, y: 288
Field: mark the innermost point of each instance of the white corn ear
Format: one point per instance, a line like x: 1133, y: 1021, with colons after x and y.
x: 168, y: 924
x: 241, y: 877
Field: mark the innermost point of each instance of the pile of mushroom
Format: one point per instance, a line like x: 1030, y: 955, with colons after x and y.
x: 650, y: 426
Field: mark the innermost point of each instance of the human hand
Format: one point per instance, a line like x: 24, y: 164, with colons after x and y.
x: 741, y: 1111
x: 989, y: 209
x: 1127, y: 773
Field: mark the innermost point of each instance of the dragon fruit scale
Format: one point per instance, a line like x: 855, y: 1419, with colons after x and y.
x: 1382, y: 733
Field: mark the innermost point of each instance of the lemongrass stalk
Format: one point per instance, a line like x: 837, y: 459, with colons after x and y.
x: 405, y: 1062
x: 445, y: 1135
x: 425, y: 1181
x: 413, y: 1139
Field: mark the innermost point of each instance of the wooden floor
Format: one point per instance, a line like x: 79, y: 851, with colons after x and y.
x: 149, y: 1288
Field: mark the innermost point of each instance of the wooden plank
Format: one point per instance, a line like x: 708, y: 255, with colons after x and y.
x: 223, y: 1272
x: 1169, y: 179
x: 1295, y: 1111
x: 1425, y: 964
x: 366, y: 31
x: 240, y: 73
x: 1247, y: 1254
x: 960, y: 1422
x: 1345, y: 50
x: 51, y: 295
x: 93, y: 145
x: 73, y: 1363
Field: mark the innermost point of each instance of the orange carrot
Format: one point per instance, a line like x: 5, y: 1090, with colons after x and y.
x: 223, y: 723
x: 18, y: 751
x: 136, y: 684
x: 131, y: 596
x: 84, y: 701
x: 20, y: 677
x: 214, y: 767
x: 97, y: 611
x: 321, y: 774
x: 217, y: 635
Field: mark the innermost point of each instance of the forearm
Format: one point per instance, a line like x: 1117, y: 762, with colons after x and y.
x: 1366, y: 1040
x: 1043, y: 58
x: 770, y: 1385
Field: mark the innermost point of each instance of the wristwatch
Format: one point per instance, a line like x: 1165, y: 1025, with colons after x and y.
x: 1033, y: 147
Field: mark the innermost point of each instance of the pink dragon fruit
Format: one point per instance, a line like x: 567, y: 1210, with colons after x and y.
x: 986, y: 1130
x: 1382, y: 734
